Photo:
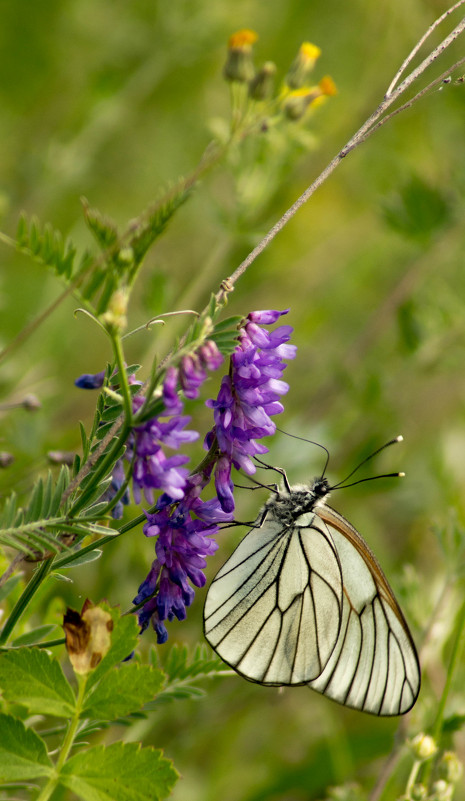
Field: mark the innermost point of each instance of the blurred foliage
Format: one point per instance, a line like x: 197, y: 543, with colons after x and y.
x: 115, y: 100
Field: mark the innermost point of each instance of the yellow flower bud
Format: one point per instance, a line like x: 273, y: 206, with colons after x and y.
x: 327, y: 86
x: 297, y: 102
x: 239, y: 64
x: 302, y: 65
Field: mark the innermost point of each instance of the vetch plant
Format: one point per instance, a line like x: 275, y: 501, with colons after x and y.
x: 133, y: 470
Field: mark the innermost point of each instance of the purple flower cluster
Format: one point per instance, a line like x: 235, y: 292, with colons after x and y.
x: 183, y: 524
x: 146, y: 444
x: 248, y: 397
x: 182, y: 544
x: 152, y: 469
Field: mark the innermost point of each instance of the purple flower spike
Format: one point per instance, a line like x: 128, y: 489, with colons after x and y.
x: 248, y: 397
x: 183, y: 541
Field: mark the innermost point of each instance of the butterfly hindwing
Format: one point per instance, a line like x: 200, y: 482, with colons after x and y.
x: 374, y: 666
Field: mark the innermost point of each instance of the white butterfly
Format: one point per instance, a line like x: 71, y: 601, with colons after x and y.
x: 303, y: 600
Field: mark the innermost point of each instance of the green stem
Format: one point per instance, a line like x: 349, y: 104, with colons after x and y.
x: 103, y: 468
x: 412, y: 778
x: 437, y: 727
x: 123, y: 378
x: 124, y: 390
x: 39, y: 576
x: 67, y: 742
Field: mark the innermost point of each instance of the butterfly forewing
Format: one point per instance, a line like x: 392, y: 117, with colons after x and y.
x: 302, y: 600
x: 273, y: 610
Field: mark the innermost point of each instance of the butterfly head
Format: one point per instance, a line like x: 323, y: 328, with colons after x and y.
x: 319, y: 489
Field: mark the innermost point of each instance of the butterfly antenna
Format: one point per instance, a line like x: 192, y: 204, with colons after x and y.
x: 311, y: 442
x: 367, y: 459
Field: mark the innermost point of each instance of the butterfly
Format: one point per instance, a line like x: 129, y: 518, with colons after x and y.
x: 303, y: 600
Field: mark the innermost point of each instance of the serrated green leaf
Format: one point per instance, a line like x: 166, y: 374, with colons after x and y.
x: 35, y: 636
x: 32, y: 678
x: 119, y: 772
x: 23, y: 755
x: 176, y: 660
x: 124, y: 639
x: 176, y: 694
x: 123, y: 691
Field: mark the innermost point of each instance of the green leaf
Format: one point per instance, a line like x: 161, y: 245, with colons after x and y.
x: 123, y: 691
x: 453, y: 723
x: 88, y: 556
x: 23, y: 754
x: 229, y: 324
x: 419, y: 212
x: 119, y: 772
x: 9, y: 586
x: 32, y: 678
x: 36, y: 635
x: 124, y: 639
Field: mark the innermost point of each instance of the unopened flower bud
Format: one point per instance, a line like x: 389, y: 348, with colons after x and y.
x: 418, y: 792
x: 423, y: 746
x: 239, y: 64
x: 261, y: 86
x: 6, y: 459
x: 302, y: 65
x: 61, y: 457
x: 297, y: 102
x: 126, y: 256
x: 115, y: 315
x: 441, y: 791
x: 450, y: 768
x: 31, y: 403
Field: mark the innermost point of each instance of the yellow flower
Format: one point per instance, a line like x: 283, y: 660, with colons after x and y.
x: 242, y: 40
x: 327, y: 86
x: 297, y: 102
x: 302, y: 65
x: 239, y: 65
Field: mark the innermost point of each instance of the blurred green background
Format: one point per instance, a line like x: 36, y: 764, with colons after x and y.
x: 113, y: 101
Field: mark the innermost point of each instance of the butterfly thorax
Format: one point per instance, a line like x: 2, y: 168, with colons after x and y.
x: 288, y: 505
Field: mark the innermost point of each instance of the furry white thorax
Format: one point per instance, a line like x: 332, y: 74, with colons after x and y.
x: 287, y: 506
